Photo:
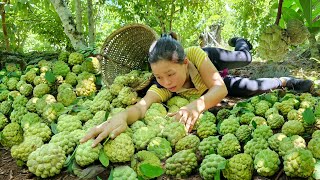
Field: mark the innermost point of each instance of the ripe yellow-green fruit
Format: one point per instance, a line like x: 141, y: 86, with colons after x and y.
x: 188, y: 142
x: 255, y: 145
x: 273, y: 43
x: 160, y: 147
x: 85, y: 154
x: 181, y: 164
x: 12, y: 134
x: 29, y: 144
x: 209, y: 166
x: 299, y: 163
x: 275, y: 140
x: 124, y: 173
x: 228, y: 146
x: 46, y: 161
x: 209, y: 145
x: 267, y: 162
x: 297, y: 31
x: 120, y: 149
x: 239, y: 167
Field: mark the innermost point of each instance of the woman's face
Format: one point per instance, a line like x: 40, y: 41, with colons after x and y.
x: 169, y: 74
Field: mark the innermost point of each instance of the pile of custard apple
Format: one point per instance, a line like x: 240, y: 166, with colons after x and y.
x: 46, y: 109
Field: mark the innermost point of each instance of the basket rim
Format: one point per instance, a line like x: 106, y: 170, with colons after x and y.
x: 127, y: 26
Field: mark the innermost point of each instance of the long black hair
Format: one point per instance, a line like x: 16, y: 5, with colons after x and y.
x: 166, y: 48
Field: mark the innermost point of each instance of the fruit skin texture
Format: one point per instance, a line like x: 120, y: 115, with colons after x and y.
x: 314, y: 147
x: 262, y: 131
x: 22, y: 151
x: 275, y: 121
x: 275, y: 140
x: 243, y: 133
x: 229, y: 125
x: 228, y: 146
x: 60, y: 68
x: 255, y: 145
x: 142, y: 137
x: 209, y: 166
x: 85, y: 154
x: 209, y: 145
x: 12, y: 135
x: 124, y: 173
x: 290, y: 143
x: 121, y: 149
x: 239, y: 167
x: 267, y: 162
x: 299, y: 163
x: 292, y: 128
x: 181, y: 163
x: 75, y: 58
x: 188, y: 142
x: 160, y: 147
x: 206, y: 129
x: 274, y: 43
x: 173, y: 132
x: 46, y: 161
x: 297, y: 32
x: 41, y: 90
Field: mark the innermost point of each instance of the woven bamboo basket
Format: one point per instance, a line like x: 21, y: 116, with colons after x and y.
x: 124, y: 50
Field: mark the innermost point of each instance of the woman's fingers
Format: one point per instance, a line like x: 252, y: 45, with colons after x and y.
x: 172, y: 114
x: 101, y: 137
x: 92, y: 133
x: 118, y: 131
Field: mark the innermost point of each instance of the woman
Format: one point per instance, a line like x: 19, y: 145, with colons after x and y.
x: 186, y: 72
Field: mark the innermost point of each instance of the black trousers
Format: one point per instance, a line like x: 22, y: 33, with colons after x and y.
x: 239, y: 86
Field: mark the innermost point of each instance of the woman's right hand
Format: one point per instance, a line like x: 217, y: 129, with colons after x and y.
x: 111, y: 128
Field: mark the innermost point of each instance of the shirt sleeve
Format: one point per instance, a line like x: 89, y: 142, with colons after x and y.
x: 196, y: 55
x: 162, y: 92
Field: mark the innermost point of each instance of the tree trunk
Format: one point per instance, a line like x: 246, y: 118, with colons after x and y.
x: 79, y: 16
x: 68, y: 23
x: 91, y: 24
x: 4, y: 25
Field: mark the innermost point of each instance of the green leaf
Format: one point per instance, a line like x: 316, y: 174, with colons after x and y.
x: 89, y: 172
x: 316, y: 172
x: 103, y: 158
x: 111, y: 175
x: 308, y: 116
x: 98, y: 178
x: 254, y: 124
x: 1, y: 135
x: 50, y: 77
x: 10, y: 98
x: 151, y: 171
x: 99, y: 80
x: 106, y: 115
x: 54, y: 128
x: 307, y: 10
x: 70, y: 159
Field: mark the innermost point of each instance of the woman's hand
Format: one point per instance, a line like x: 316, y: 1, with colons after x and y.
x: 111, y: 128
x: 188, y: 115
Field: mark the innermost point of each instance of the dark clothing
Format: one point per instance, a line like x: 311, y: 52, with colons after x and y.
x: 238, y: 86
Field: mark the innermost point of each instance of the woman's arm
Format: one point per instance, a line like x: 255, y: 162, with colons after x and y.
x: 119, y: 122
x: 216, y: 92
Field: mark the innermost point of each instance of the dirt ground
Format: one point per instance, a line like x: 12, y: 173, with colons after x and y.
x: 294, y: 64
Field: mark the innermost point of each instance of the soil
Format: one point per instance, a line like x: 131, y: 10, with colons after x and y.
x: 294, y: 64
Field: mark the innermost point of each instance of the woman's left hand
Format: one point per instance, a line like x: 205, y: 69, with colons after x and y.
x: 188, y: 115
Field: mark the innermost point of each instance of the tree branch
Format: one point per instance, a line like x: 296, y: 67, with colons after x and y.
x: 279, y: 12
